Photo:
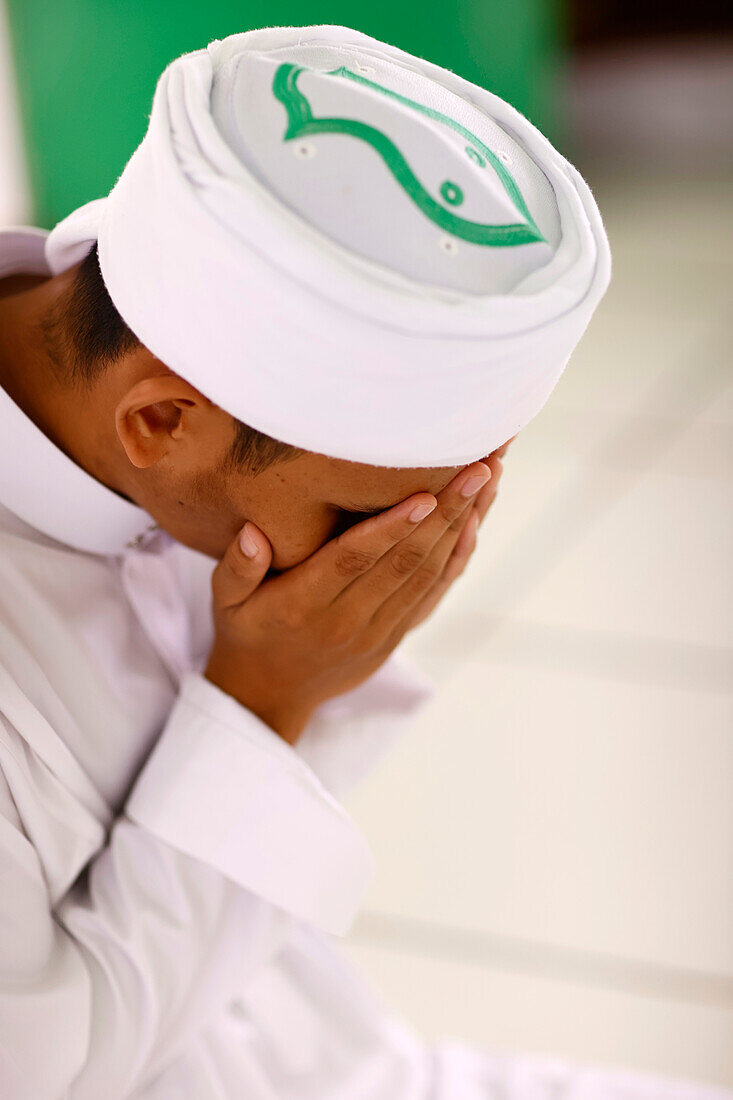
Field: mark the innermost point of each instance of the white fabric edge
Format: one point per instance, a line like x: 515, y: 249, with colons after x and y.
x: 223, y: 787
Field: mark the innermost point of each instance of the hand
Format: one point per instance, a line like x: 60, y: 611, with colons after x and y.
x: 466, y: 544
x: 285, y: 645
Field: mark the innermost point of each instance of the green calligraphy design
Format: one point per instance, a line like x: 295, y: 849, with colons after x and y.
x: 301, y: 122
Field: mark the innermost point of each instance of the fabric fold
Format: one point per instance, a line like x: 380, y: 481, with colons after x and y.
x: 270, y: 825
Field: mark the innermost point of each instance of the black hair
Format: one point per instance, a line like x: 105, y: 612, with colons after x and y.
x: 85, y: 334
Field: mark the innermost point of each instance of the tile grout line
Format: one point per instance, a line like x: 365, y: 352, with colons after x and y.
x: 687, y: 665
x: 550, y: 961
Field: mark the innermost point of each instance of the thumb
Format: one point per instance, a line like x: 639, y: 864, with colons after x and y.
x: 242, y: 568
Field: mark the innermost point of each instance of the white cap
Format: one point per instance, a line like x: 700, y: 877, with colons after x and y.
x: 347, y: 247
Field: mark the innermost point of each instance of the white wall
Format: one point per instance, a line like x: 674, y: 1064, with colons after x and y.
x: 15, y: 206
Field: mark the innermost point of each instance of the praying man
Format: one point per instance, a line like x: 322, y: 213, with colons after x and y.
x: 253, y: 405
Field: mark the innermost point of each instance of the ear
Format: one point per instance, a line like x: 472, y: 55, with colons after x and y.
x: 154, y: 415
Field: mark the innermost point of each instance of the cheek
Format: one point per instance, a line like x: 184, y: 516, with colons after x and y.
x: 295, y: 538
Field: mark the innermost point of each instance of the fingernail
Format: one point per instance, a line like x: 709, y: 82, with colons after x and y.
x: 248, y: 544
x: 474, y: 484
x: 421, y: 511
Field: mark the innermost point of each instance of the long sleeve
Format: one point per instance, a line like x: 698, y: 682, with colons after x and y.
x: 227, y: 837
x: 346, y: 735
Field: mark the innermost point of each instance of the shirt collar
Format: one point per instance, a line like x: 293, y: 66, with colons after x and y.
x: 39, y: 483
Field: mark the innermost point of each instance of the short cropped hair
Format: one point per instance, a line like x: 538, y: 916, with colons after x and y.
x: 87, y: 328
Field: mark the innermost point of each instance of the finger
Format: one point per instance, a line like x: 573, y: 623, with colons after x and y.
x: 339, y: 562
x: 461, y: 554
x: 488, y: 494
x: 482, y: 506
x: 367, y: 593
x: 402, y: 602
x: 240, y: 571
x: 456, y: 564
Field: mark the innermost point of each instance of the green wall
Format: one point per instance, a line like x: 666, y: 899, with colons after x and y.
x: 87, y: 69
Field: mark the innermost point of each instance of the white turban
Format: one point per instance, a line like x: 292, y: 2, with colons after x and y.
x: 347, y: 247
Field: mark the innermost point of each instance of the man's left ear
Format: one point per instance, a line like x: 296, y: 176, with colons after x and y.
x: 153, y: 415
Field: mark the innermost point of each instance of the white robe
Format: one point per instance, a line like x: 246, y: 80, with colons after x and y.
x: 172, y: 872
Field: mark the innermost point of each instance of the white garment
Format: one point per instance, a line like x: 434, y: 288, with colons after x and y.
x: 169, y: 866
x: 322, y: 232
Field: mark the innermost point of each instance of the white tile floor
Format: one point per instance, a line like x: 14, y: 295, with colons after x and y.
x: 555, y: 836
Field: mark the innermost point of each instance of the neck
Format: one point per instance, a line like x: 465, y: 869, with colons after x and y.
x: 34, y: 375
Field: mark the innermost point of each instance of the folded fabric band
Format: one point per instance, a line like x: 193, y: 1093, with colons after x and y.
x: 347, y: 247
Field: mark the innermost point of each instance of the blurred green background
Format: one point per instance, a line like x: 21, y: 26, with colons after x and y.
x: 86, y: 69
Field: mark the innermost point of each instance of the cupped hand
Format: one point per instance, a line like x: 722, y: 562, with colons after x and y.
x: 285, y: 644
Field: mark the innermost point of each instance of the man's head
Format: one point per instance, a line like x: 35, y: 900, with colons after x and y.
x: 338, y: 241
x: 196, y: 469
x: 397, y: 260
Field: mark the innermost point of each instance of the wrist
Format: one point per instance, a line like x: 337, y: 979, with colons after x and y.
x: 283, y: 718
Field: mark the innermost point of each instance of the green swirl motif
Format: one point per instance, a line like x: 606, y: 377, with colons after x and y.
x: 301, y: 122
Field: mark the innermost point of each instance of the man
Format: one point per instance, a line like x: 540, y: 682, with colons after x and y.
x: 252, y: 409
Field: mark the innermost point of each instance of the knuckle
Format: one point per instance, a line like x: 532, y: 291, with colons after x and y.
x: 405, y: 560
x: 362, y: 644
x: 288, y: 617
x: 430, y: 573
x: 459, y: 521
x: 233, y: 564
x: 350, y: 562
x: 339, y: 632
x: 425, y: 578
x: 447, y: 511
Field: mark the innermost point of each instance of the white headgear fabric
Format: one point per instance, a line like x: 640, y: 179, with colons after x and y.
x: 347, y: 247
